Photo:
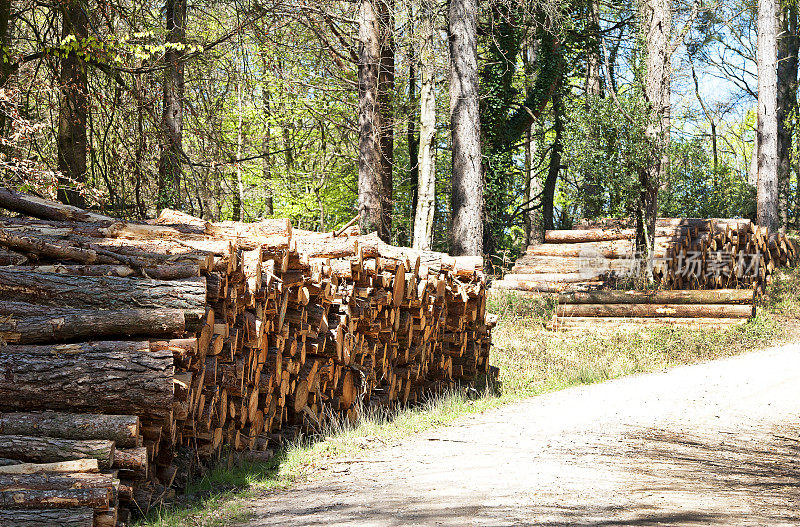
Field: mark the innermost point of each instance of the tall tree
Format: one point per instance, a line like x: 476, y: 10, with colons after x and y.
x: 386, y: 83
x: 656, y: 21
x: 74, y: 107
x: 788, y: 45
x: 371, y: 192
x: 266, y: 141
x: 467, y: 196
x: 767, y: 134
x: 426, y: 158
x: 169, y: 166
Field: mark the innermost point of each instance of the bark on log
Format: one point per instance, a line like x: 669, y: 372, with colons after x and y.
x: 161, y: 272
x: 550, y: 277
x: 716, y: 296
x: 655, y: 310
x: 107, y: 292
x: 103, y: 291
x: 60, y: 481
x: 618, y: 322
x: 45, y: 209
x: 104, y: 377
x: 97, y: 499
x: 51, y: 449
x: 77, y: 517
x: 565, y: 265
x: 599, y: 235
x: 72, y: 466
x: 131, y: 462
x: 8, y: 257
x: 24, y: 323
x: 122, y: 429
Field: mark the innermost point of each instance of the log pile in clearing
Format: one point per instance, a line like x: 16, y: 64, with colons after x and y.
x: 689, y: 254
x: 122, y: 343
x: 614, y: 309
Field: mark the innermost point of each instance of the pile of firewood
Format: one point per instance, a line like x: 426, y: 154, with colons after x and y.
x: 689, y: 254
x: 131, y: 345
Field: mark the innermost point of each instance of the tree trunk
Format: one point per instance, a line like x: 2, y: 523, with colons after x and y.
x: 413, y: 142
x: 52, y: 449
x: 238, y: 199
x: 386, y: 108
x: 593, y: 83
x: 169, y: 166
x: 426, y: 160
x: 22, y: 323
x: 534, y: 225
x: 767, y: 135
x: 370, y: 165
x: 656, y: 16
x: 74, y: 108
x: 122, y: 429
x: 269, y: 207
x: 103, y: 377
x: 467, y: 194
x: 788, y: 44
x: 5, y: 65
x: 549, y: 192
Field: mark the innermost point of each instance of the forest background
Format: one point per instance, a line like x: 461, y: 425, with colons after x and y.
x: 245, y: 109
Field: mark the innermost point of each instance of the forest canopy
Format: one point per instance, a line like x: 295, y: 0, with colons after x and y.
x: 321, y: 111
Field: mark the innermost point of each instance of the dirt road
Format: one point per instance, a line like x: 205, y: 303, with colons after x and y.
x: 711, y: 444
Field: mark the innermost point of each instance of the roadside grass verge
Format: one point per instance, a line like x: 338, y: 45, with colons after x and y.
x: 532, y: 361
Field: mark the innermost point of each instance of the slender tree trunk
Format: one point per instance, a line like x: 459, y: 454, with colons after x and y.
x: 169, y: 165
x: 370, y: 164
x: 593, y: 83
x: 534, y: 231
x: 549, y: 192
x: 238, y: 211
x: 5, y: 59
x: 426, y: 159
x: 73, y: 112
x: 656, y: 17
x: 266, y: 160
x: 788, y: 44
x: 386, y: 80
x: 467, y: 196
x: 767, y: 135
x: 413, y: 142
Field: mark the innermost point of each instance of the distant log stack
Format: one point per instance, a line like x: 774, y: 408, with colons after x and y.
x: 690, y: 254
x: 616, y: 309
x: 122, y: 343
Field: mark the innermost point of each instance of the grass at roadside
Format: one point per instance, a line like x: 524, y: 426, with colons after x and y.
x: 532, y: 361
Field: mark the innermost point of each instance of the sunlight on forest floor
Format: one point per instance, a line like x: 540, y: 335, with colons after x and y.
x: 532, y: 361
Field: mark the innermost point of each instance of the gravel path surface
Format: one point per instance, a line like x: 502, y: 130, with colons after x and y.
x: 710, y: 444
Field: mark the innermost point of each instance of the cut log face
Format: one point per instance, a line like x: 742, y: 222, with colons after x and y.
x: 105, y: 376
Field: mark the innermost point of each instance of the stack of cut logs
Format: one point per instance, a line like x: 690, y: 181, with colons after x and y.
x: 610, y: 309
x: 689, y: 254
x: 124, y: 346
